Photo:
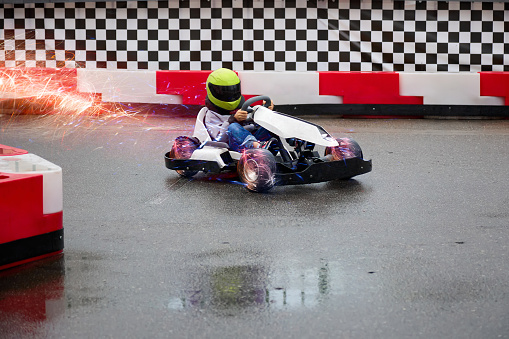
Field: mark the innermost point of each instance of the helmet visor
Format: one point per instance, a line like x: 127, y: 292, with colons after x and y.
x: 225, y: 93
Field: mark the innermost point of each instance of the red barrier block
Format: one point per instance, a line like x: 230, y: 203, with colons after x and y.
x: 189, y: 84
x: 37, y: 90
x: 64, y: 79
x: 20, y: 206
x: 495, y: 84
x: 9, y: 150
x: 365, y: 88
x: 26, y: 232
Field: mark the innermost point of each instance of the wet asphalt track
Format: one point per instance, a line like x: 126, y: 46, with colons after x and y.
x: 416, y: 248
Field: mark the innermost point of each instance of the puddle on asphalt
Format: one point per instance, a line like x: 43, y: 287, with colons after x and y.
x: 34, y: 296
x: 234, y: 289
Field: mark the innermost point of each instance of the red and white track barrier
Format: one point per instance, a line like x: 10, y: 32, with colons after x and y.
x: 483, y: 89
x: 31, y: 207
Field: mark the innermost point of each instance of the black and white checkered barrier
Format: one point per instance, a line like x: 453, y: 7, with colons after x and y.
x: 258, y: 35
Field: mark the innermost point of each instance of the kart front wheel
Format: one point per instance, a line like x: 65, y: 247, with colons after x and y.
x: 183, y: 147
x: 257, y: 169
x: 347, y: 149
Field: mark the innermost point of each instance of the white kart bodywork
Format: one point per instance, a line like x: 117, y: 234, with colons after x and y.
x: 287, y: 127
x: 212, y: 151
x: 281, y: 125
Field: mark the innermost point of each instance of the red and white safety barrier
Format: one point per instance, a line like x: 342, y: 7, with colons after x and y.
x: 31, y: 207
x: 287, y: 88
x: 298, y: 88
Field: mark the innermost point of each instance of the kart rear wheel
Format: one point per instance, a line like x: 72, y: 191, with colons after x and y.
x: 347, y: 149
x: 183, y: 147
x: 257, y: 169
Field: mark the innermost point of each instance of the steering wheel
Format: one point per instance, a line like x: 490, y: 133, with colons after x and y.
x: 252, y: 100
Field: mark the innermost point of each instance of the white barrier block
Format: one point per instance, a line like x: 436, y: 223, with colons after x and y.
x: 51, y: 177
x: 286, y: 88
x: 124, y: 86
x: 446, y: 88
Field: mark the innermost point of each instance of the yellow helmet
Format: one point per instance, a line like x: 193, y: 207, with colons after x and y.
x: 223, y: 89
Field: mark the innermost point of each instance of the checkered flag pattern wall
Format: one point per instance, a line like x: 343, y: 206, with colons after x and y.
x: 259, y: 35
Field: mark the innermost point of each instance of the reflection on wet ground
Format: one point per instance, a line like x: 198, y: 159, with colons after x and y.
x: 32, y: 294
x: 37, y: 294
x: 234, y: 289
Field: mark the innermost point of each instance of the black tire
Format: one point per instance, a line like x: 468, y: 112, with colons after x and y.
x: 257, y: 170
x: 183, y: 147
x: 347, y: 149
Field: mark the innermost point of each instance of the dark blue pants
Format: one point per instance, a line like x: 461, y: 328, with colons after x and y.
x: 240, y: 138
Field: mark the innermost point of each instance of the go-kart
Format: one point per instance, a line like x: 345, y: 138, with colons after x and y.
x: 300, y: 152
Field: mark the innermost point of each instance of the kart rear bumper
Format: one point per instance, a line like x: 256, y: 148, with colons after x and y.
x: 326, y: 171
